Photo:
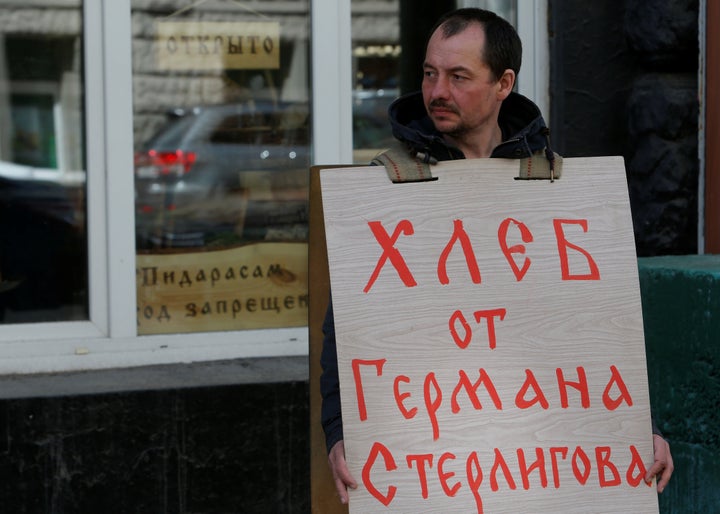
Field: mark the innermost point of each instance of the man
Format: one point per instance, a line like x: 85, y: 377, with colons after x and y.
x: 466, y: 109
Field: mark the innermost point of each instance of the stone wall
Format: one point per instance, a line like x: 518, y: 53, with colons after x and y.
x: 624, y: 82
x: 235, y: 448
x: 662, y: 155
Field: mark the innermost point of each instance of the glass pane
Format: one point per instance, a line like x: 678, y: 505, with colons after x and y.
x: 43, y: 241
x: 376, y: 68
x: 222, y: 153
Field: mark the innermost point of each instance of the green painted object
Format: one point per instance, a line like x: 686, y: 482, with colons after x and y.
x: 681, y: 312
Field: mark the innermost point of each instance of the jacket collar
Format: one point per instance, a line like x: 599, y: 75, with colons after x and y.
x: 523, y: 128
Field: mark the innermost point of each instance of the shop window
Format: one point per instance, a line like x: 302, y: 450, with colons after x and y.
x: 376, y: 53
x: 222, y: 152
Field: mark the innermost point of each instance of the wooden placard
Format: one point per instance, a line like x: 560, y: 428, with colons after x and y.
x: 261, y: 285
x: 490, y: 339
x: 217, y: 45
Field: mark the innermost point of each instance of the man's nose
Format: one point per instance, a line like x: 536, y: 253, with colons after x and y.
x: 441, y: 88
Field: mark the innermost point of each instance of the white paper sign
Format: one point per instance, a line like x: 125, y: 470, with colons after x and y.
x: 490, y: 339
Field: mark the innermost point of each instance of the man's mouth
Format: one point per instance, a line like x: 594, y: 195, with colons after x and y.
x: 441, y: 110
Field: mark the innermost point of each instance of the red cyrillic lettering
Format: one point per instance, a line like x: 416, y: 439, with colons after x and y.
x: 399, y: 397
x: 538, y: 465
x: 444, y: 477
x: 563, y: 244
x: 616, y: 379
x: 502, y: 465
x: 636, y: 464
x: 553, y: 460
x: 433, y: 404
x: 579, y: 456
x: 390, y: 252
x: 421, y: 460
x: 464, y: 341
x: 379, y: 449
x: 530, y: 382
x: 356, y: 363
x: 471, y: 389
x: 474, y: 478
x: 490, y: 316
x: 526, y: 237
x: 581, y: 385
x: 459, y: 234
x: 602, y: 454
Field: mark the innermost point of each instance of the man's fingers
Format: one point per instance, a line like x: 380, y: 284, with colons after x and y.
x: 666, y: 473
x: 656, y: 468
x: 341, y: 490
x: 340, y: 471
x: 663, y: 466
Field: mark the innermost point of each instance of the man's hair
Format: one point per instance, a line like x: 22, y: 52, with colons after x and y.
x: 503, y: 49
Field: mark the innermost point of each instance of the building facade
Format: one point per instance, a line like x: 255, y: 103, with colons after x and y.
x: 153, y: 264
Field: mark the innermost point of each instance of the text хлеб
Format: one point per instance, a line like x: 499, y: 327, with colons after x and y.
x: 460, y: 236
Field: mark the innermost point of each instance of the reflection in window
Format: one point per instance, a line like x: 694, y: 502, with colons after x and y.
x: 222, y: 157
x: 221, y: 124
x: 376, y: 57
x: 43, y: 250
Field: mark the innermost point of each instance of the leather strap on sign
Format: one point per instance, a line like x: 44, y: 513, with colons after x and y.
x: 403, y: 165
x: 541, y: 166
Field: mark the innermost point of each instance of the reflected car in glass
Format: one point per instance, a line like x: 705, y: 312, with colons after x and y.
x: 371, y: 128
x: 43, y: 269
x: 229, y: 174
x: 223, y: 174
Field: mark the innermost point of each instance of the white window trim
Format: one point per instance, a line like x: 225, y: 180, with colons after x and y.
x: 332, y: 81
x: 534, y: 76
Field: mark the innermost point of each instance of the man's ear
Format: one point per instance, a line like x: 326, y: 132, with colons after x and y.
x: 505, y: 84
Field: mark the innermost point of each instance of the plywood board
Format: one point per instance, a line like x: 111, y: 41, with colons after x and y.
x: 490, y: 339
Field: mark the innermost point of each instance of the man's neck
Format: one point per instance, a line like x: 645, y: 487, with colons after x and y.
x: 477, y: 145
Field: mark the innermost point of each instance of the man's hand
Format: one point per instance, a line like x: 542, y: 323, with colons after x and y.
x: 663, y: 465
x: 340, y: 471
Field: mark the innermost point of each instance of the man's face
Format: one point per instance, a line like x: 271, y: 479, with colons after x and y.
x: 459, y: 90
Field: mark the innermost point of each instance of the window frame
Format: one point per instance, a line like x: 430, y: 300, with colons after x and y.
x: 109, y: 339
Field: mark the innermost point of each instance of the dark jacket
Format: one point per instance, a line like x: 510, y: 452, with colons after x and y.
x: 523, y: 131
x: 523, y: 128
